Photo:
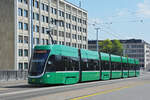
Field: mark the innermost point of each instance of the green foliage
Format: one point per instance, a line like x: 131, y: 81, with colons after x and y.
x: 117, y: 47
x: 106, y: 46
x: 114, y: 47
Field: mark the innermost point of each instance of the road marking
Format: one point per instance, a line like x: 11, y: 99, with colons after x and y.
x: 102, y: 92
x: 110, y: 90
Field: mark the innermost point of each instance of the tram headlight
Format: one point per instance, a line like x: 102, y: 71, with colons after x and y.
x: 48, y: 75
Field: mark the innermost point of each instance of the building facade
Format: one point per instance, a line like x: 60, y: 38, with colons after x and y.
x: 67, y: 24
x: 134, y: 48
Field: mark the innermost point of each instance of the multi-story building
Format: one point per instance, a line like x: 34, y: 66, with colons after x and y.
x: 135, y: 48
x: 67, y: 22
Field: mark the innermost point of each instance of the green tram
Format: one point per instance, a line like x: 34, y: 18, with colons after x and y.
x: 59, y: 64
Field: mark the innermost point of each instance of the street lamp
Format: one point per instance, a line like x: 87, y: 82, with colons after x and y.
x: 97, y: 38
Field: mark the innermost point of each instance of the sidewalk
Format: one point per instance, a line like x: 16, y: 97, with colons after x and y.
x: 13, y: 83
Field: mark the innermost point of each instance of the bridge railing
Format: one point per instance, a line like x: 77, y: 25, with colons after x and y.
x: 13, y: 75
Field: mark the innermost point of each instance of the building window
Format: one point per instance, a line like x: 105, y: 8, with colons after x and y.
x: 20, y: 40
x: 74, y: 36
x: 36, y: 4
x: 37, y: 41
x: 43, y: 30
x: 25, y: 13
x: 42, y: 6
x: 20, y: 52
x: 26, y: 65
x: 20, y: 65
x: 59, y: 13
x: 74, y: 44
x: 20, y: 1
x: 25, y: 26
x: 36, y: 16
x: 26, y: 39
x: 43, y: 41
x: 68, y: 35
x: 63, y: 14
x: 52, y: 10
x: 47, y: 8
x: 20, y: 12
x: 36, y: 28
x: 61, y: 23
x: 20, y: 25
x: 59, y: 42
x: 47, y: 41
x: 63, y: 43
x: 67, y: 15
x: 55, y: 32
x: 55, y: 42
x: 55, y: 11
x: 43, y: 18
x: 25, y: 2
x: 47, y: 19
x: 25, y: 52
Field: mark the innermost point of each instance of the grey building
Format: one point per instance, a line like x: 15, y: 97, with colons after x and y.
x: 15, y: 28
x: 135, y: 48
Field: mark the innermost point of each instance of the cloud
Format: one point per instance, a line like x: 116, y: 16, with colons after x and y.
x: 122, y: 12
x: 144, y: 9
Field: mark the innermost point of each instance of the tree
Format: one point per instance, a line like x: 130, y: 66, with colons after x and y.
x: 114, y: 47
x: 117, y: 48
x: 106, y: 46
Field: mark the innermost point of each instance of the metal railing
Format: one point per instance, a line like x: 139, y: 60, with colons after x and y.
x: 13, y: 75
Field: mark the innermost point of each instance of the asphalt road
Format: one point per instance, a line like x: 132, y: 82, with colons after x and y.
x: 137, y: 88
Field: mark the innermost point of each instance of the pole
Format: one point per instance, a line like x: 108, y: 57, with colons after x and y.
x: 31, y: 25
x: 97, y: 38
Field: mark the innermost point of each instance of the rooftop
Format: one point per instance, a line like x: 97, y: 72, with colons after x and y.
x: 122, y: 41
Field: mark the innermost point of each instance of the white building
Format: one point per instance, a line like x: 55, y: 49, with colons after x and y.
x: 15, y: 28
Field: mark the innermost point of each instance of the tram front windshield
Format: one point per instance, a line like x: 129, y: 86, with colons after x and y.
x: 37, y: 62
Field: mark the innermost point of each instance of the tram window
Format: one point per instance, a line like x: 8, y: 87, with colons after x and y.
x: 126, y: 67
x: 71, y: 64
x: 50, y: 66
x: 74, y: 63
x: 119, y: 66
x: 62, y: 63
x: 113, y: 66
x: 55, y: 63
x: 123, y: 66
x: 96, y: 63
x: 67, y: 63
x: 116, y: 66
x: 59, y: 63
x: 92, y: 64
x: 84, y: 64
x: 137, y: 67
x: 105, y: 65
x: 132, y: 66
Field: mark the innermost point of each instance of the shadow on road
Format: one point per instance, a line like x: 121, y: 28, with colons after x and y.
x: 31, y: 86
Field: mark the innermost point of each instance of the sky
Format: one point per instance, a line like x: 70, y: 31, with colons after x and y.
x: 117, y: 19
